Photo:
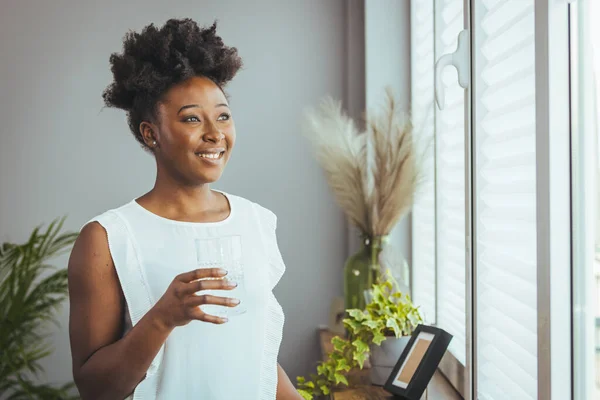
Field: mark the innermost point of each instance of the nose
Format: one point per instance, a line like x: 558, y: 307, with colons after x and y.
x: 214, y: 135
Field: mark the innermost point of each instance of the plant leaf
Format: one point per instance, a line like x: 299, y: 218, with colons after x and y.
x: 342, y: 365
x: 372, y: 324
x: 339, y: 378
x: 393, y: 324
x: 338, y: 343
x: 358, y: 315
x: 360, y: 358
x: 378, y: 339
x: 27, y: 304
x: 352, y: 325
x: 360, y: 345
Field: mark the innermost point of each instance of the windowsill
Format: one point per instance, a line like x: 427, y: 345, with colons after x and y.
x: 439, y: 388
x: 454, y: 372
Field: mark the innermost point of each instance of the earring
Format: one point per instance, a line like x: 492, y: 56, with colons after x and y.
x: 154, y: 143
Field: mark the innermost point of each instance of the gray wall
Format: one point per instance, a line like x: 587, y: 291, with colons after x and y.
x: 60, y: 153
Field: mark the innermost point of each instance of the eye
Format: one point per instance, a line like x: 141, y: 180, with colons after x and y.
x: 191, y: 119
x: 226, y: 115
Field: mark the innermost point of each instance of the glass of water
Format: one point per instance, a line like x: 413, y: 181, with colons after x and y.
x: 223, y: 252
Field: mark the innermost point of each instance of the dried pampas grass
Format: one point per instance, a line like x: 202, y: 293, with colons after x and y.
x: 373, y: 174
x: 341, y: 151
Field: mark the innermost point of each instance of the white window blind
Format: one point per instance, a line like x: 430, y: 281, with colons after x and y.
x: 423, y: 231
x: 450, y: 184
x: 505, y: 199
x: 504, y: 189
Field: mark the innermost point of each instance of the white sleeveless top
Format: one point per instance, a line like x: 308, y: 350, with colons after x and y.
x: 202, y: 361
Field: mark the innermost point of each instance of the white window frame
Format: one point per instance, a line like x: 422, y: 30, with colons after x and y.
x: 553, y: 178
x: 459, y: 375
x: 553, y: 191
x: 584, y: 203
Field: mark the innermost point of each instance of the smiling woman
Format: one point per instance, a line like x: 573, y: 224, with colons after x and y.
x: 193, y: 124
x: 138, y: 280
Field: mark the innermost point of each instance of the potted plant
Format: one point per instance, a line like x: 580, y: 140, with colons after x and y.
x: 27, y: 303
x: 380, y: 333
x: 390, y: 314
x: 373, y: 176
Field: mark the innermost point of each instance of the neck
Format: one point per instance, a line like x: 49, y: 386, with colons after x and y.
x: 169, y: 192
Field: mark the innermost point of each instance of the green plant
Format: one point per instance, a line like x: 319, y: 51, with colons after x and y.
x: 387, y: 314
x: 373, y: 173
x: 27, y: 303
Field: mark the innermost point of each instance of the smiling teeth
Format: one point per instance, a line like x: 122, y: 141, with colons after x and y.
x: 212, y: 156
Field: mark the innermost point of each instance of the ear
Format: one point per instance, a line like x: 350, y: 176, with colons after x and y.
x: 148, y: 131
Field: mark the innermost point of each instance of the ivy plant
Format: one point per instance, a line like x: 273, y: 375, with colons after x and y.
x: 388, y: 314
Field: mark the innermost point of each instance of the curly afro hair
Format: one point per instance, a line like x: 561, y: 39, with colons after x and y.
x: 156, y: 59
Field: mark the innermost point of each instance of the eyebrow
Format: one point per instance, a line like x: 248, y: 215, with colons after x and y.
x: 197, y: 106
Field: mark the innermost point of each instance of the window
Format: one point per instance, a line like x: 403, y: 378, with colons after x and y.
x: 585, y: 66
x: 424, y: 279
x: 505, y: 198
x: 484, y: 250
x: 438, y: 227
x: 450, y: 184
x: 439, y: 209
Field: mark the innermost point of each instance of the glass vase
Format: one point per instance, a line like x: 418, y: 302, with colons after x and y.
x: 361, y: 271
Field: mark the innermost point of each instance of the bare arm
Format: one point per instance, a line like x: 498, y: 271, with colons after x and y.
x: 285, y: 388
x: 104, y: 365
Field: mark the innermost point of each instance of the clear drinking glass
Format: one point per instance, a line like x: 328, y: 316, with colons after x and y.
x: 223, y: 252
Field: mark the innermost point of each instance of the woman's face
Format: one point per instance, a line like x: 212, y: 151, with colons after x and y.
x: 196, y: 132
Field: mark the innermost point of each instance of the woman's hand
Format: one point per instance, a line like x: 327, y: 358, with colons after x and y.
x: 180, y: 304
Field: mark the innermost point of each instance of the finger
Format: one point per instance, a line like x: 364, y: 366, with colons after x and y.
x: 220, y: 284
x: 195, y: 300
x: 200, y: 315
x: 201, y: 273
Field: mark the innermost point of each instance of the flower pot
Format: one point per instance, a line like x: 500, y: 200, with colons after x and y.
x: 384, y: 358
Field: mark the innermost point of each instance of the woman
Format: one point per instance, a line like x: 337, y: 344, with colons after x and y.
x: 136, y: 326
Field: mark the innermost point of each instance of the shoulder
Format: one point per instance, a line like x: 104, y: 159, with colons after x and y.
x: 92, y: 234
x: 90, y: 252
x: 107, y: 218
x: 99, y: 241
x: 264, y: 214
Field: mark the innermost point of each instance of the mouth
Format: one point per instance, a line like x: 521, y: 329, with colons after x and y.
x: 212, y: 157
